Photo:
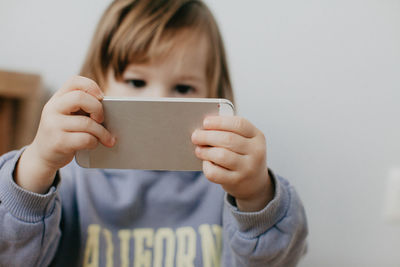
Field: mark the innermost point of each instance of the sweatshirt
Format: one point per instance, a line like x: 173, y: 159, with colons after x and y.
x: 104, y: 217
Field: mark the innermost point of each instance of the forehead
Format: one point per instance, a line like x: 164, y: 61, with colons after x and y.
x: 182, y: 45
x: 187, y: 58
x: 188, y: 45
x: 184, y: 52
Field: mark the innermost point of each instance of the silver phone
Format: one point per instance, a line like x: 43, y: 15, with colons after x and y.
x: 152, y: 133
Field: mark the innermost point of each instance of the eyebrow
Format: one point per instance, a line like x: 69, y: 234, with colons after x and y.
x: 190, y: 77
x: 136, y: 69
x: 141, y: 70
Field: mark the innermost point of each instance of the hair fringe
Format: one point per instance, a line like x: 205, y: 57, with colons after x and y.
x: 137, y: 31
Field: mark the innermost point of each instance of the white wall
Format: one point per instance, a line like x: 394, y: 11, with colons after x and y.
x: 320, y: 78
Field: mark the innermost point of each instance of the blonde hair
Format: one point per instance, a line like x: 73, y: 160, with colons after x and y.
x: 135, y: 31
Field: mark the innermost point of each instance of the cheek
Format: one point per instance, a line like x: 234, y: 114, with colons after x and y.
x: 113, y: 89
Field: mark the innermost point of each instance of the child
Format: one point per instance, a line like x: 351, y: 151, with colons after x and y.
x: 234, y: 213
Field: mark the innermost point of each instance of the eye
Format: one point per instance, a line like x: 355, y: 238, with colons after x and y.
x: 184, y: 89
x: 136, y: 83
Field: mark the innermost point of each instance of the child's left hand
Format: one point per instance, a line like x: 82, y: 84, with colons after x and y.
x: 234, y: 155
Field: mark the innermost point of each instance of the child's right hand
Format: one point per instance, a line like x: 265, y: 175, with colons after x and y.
x: 62, y: 131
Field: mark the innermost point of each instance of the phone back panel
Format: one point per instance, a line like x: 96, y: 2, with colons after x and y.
x: 152, y: 135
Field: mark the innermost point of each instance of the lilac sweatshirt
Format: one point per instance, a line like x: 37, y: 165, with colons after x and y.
x: 94, y: 217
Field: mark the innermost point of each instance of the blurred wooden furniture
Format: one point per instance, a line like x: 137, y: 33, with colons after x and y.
x: 21, y: 100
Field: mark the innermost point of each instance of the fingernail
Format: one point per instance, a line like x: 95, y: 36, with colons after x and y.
x: 194, y: 134
x: 206, y: 122
x: 113, y: 140
x: 198, y: 149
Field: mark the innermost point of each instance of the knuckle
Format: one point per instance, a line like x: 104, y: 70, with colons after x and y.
x: 86, y: 123
x: 239, y: 123
x: 59, y: 143
x: 72, y: 80
x: 105, y: 135
x: 75, y: 78
x: 80, y: 95
x: 221, y: 155
x: 75, y: 100
x: 88, y: 84
x: 229, y: 139
x: 209, y: 171
x: 47, y: 108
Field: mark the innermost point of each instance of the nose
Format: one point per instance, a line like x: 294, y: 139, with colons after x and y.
x: 158, y: 91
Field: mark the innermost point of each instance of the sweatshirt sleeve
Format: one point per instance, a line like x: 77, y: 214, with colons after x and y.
x: 29, y: 222
x: 274, y: 236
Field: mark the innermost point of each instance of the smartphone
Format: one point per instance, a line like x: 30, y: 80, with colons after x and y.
x: 152, y: 133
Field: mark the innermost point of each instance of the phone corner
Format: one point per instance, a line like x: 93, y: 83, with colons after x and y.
x: 82, y: 158
x: 226, y: 107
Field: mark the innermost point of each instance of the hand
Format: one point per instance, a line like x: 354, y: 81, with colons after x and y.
x: 62, y: 131
x: 234, y: 155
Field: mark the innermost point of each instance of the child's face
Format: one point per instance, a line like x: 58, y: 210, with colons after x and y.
x: 181, y: 73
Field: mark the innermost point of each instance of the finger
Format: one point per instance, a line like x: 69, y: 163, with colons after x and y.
x: 234, y: 124
x: 219, y: 156
x: 83, y: 84
x: 80, y: 140
x: 85, y: 124
x: 217, y: 174
x: 78, y: 100
x: 228, y: 140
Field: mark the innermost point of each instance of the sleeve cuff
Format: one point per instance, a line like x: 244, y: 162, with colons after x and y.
x: 24, y: 205
x: 253, y: 224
